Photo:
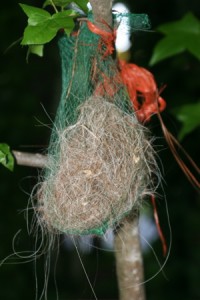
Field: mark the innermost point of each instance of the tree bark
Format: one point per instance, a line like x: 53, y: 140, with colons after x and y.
x: 129, y: 261
x: 102, y: 12
x: 35, y: 160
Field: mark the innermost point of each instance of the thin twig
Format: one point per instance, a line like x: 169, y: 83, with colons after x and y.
x: 52, y: 3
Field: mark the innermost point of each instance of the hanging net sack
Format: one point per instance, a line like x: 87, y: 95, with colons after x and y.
x: 100, y: 159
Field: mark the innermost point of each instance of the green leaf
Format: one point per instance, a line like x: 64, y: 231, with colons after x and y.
x: 188, y: 115
x: 180, y: 36
x: 64, y: 20
x: 35, y: 15
x: 166, y: 48
x: 43, y: 27
x: 36, y: 49
x: 6, y: 157
x: 82, y: 4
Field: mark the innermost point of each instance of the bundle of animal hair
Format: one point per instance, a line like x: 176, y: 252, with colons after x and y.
x: 104, y: 169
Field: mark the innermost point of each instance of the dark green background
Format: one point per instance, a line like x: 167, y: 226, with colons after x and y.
x: 27, y: 88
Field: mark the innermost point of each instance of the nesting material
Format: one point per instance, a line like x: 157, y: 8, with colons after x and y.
x: 103, y: 170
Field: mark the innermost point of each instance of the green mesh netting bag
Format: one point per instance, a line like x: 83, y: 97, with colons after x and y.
x: 100, y: 161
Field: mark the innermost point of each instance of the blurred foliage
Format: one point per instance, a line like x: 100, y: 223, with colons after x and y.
x: 189, y: 115
x: 6, y: 157
x: 29, y: 97
x: 180, y: 36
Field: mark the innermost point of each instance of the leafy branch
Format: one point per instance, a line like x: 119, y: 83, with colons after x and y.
x: 180, y: 36
x: 43, y: 27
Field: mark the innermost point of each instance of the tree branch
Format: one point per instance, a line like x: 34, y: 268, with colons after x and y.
x: 129, y: 260
x: 35, y: 160
x: 102, y: 12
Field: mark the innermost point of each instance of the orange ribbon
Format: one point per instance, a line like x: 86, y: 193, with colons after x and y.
x: 142, y: 90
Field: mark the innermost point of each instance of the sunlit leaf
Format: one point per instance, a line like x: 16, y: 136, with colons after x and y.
x: 43, y: 27
x: 6, y: 157
x: 82, y: 4
x: 189, y: 116
x: 36, y: 49
x: 35, y: 15
x: 180, y: 36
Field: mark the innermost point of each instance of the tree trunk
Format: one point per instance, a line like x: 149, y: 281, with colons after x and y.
x: 129, y: 261
x: 102, y: 12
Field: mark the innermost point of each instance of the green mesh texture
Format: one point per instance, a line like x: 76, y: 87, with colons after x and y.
x: 76, y: 63
x: 133, y: 21
x: 78, y: 56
